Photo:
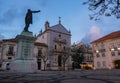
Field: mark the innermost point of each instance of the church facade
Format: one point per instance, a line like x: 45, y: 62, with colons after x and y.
x: 51, y: 49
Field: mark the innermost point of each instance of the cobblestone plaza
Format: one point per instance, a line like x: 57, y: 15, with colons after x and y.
x: 76, y: 76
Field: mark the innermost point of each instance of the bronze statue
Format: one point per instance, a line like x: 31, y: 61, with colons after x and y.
x: 28, y: 18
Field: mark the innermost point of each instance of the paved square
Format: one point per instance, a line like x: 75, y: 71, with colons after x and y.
x: 77, y: 76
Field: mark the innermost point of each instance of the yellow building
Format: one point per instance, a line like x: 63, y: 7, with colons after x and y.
x: 106, y: 51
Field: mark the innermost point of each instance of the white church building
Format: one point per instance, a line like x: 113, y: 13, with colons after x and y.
x: 51, y: 49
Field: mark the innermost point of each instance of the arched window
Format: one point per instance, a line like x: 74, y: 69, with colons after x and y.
x: 64, y: 48
x: 55, y: 46
x: 39, y: 52
x: 10, y: 51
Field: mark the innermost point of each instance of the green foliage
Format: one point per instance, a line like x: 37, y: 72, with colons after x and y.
x: 77, y: 55
x: 78, y: 52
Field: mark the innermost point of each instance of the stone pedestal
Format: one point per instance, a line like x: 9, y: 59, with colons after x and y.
x: 25, y: 60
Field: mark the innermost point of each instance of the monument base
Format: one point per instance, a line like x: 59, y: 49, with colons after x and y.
x: 24, y: 59
x: 23, y: 66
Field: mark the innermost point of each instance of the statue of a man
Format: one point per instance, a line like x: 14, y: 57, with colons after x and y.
x: 28, y: 18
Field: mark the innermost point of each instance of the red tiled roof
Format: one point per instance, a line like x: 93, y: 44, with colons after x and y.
x: 1, y: 41
x: 112, y: 35
x: 40, y: 44
x: 15, y: 40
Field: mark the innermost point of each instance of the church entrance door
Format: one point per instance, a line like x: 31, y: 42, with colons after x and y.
x: 39, y: 64
x: 59, y: 60
x: 117, y: 64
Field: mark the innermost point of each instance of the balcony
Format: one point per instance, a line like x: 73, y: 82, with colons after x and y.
x: 10, y: 53
x: 59, y: 51
x: 60, y: 40
x: 102, y: 50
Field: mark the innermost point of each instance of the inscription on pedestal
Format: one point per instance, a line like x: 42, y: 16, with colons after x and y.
x: 24, y: 59
x: 26, y: 48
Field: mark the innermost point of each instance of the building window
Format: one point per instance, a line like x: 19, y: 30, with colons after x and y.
x: 87, y: 58
x: 98, y: 64
x: 64, y: 48
x: 104, y: 63
x: 59, y: 35
x: 43, y: 37
x: 118, y: 44
x: 103, y: 54
x: 97, y: 55
x: 113, y: 53
x: 112, y: 45
x: 55, y: 59
x: 119, y: 52
x: 97, y: 45
x: 90, y: 58
x: 55, y: 47
x: 9, y: 58
x: 39, y: 52
x: 102, y: 50
x: 10, y: 51
x: 0, y: 65
x: 102, y: 45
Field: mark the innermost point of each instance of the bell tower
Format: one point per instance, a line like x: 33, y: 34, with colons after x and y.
x: 47, y: 25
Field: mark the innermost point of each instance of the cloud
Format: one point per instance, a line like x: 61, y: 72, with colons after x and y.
x: 1, y: 37
x: 9, y: 16
x: 93, y: 34
x: 44, y: 2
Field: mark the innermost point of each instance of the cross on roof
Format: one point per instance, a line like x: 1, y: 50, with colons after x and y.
x: 59, y: 20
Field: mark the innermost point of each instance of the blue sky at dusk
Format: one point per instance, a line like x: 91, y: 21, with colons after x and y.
x: 74, y: 16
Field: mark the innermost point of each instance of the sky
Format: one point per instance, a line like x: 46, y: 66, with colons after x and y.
x: 74, y: 17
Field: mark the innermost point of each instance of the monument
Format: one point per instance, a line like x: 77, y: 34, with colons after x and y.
x: 25, y: 60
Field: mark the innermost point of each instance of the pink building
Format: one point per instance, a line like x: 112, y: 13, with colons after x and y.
x: 106, y: 51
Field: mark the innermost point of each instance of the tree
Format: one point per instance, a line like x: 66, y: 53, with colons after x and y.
x: 44, y: 57
x: 103, y: 7
x: 77, y: 55
x: 65, y: 57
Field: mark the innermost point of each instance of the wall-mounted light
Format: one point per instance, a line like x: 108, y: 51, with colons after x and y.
x: 112, y: 49
x: 119, y: 48
x: 97, y: 51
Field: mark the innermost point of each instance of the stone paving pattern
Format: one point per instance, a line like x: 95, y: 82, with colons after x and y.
x: 76, y: 76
